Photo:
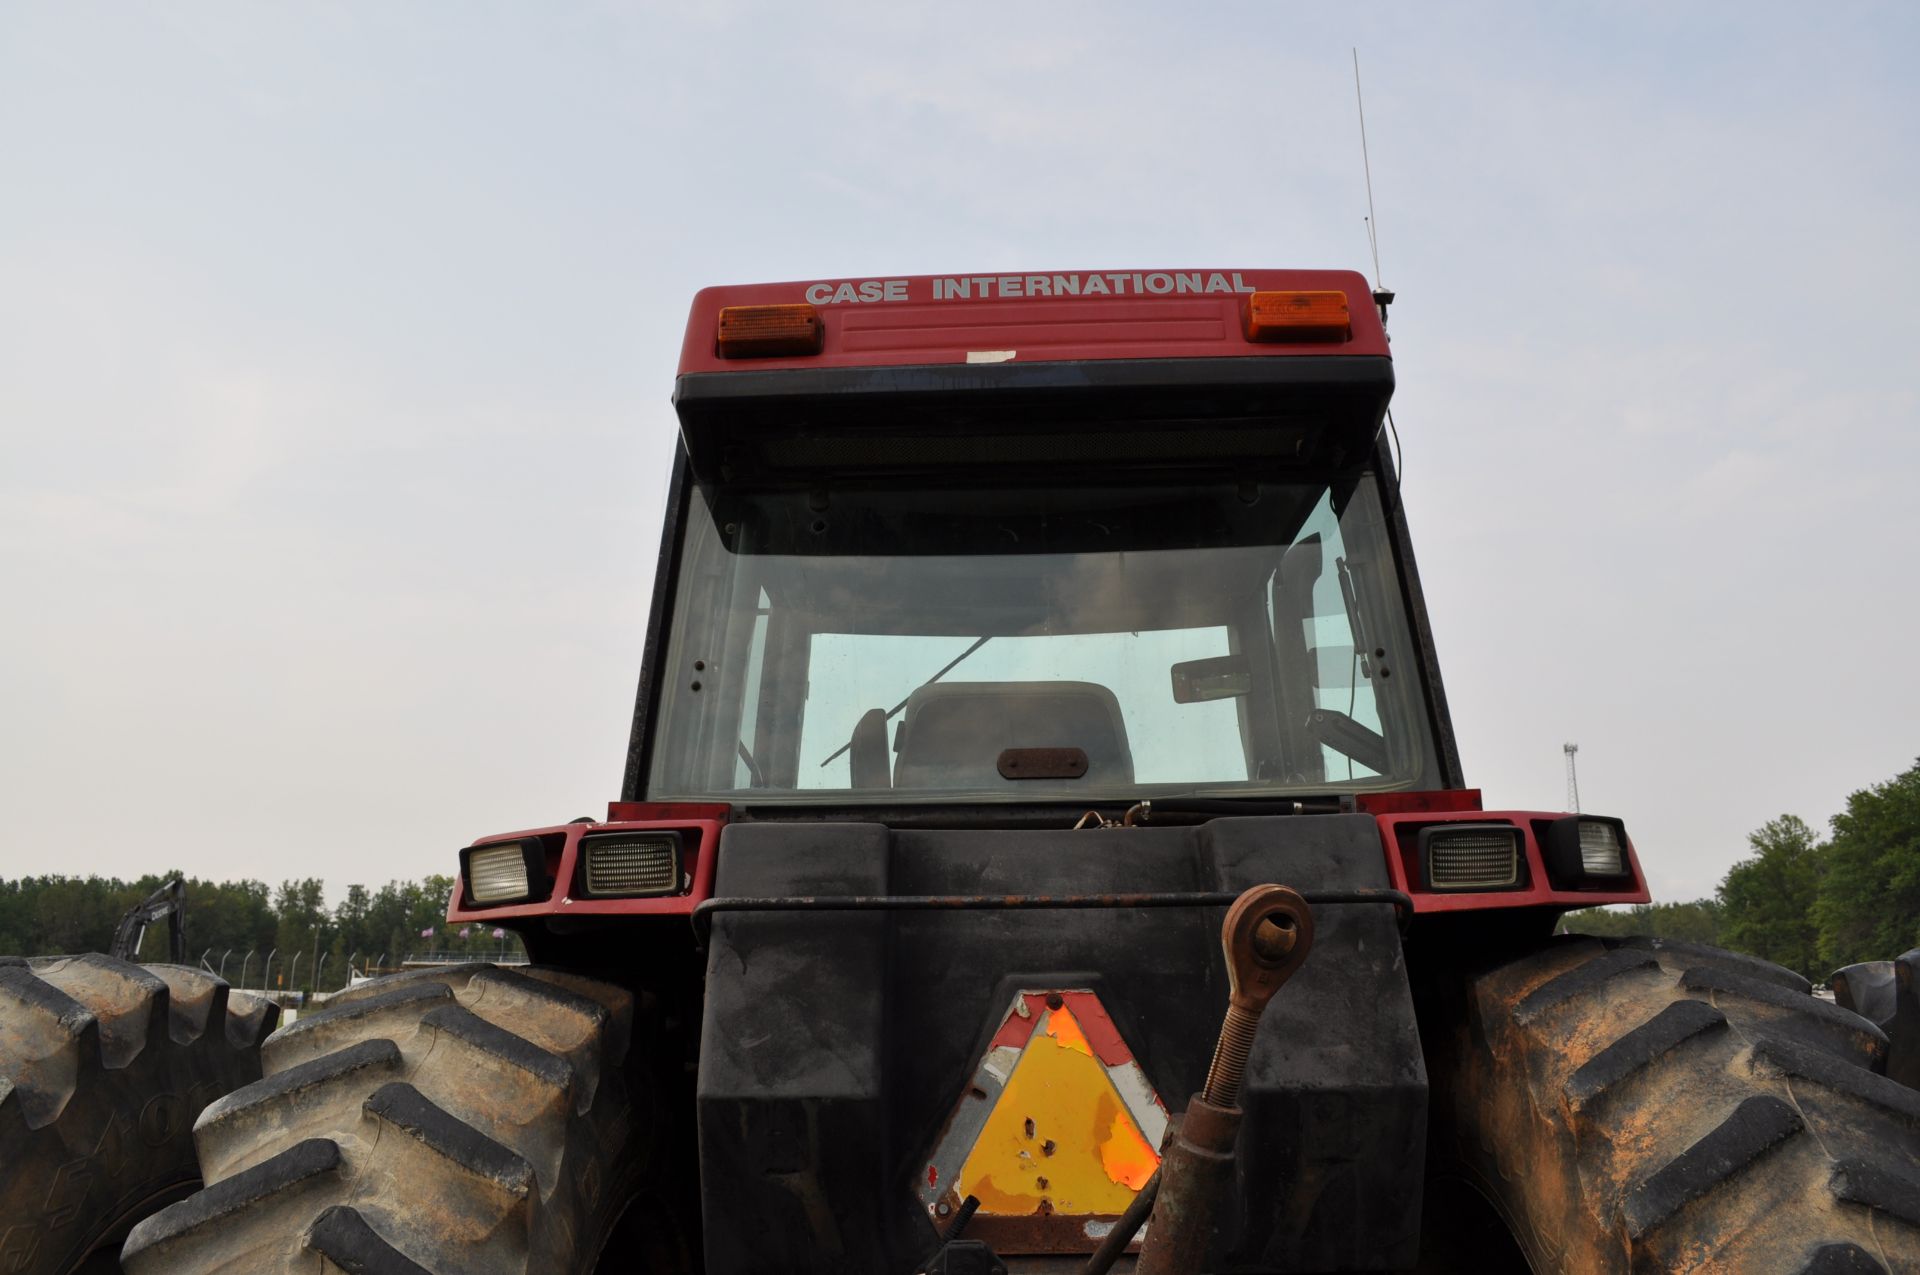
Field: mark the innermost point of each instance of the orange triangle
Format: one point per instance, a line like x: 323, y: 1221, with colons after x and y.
x: 1059, y: 1135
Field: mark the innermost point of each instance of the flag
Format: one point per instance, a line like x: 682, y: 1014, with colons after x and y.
x: 499, y: 933
x: 427, y: 933
x: 465, y: 930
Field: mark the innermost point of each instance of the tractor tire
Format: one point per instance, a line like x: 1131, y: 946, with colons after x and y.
x: 465, y: 1119
x: 1887, y: 994
x: 104, y: 1065
x: 1650, y: 1105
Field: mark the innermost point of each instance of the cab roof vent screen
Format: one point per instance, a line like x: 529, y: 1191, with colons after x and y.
x: 1297, y: 316
x: 1196, y: 445
x: 763, y: 331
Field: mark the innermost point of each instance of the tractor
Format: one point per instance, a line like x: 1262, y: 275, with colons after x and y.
x: 1042, y: 847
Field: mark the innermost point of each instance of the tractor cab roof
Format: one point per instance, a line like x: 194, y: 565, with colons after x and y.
x: 1221, y: 369
x: 1027, y: 318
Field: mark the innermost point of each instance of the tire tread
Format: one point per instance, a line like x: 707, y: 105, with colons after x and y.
x: 1656, y: 1106
x: 468, y: 1090
x: 104, y: 1066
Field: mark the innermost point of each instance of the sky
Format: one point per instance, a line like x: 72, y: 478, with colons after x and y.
x: 336, y: 345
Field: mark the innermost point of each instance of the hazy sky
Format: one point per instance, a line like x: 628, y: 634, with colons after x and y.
x: 336, y: 344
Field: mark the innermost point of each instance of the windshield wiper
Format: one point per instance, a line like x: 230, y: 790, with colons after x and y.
x: 950, y: 666
x: 1340, y: 730
x: 753, y: 767
x: 1356, y: 619
x: 1356, y: 741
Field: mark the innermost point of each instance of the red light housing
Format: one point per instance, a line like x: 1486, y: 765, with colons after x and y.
x: 664, y: 811
x: 1439, y: 801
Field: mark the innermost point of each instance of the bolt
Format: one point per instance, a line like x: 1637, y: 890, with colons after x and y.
x: 961, y: 1216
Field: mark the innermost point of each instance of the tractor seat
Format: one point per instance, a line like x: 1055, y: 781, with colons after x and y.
x: 953, y: 733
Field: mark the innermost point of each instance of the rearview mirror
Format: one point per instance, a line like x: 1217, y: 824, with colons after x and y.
x: 1222, y: 677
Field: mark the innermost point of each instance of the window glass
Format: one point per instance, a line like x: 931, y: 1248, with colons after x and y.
x: 743, y: 775
x: 1169, y: 742
x: 1195, y: 640
x: 1340, y: 682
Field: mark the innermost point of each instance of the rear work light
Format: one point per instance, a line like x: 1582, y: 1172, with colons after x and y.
x: 504, y: 872
x: 1585, y: 848
x: 1297, y: 316
x: 760, y: 331
x: 1601, y: 854
x: 631, y: 864
x: 1470, y: 856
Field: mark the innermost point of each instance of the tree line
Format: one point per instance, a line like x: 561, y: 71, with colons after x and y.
x: 1808, y: 902
x: 235, y: 926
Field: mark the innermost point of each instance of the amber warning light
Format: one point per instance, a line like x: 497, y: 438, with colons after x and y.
x: 758, y: 331
x: 1298, y: 316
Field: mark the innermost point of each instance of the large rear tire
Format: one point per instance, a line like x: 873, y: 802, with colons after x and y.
x: 466, y: 1119
x: 1647, y: 1105
x: 103, y: 1067
x: 1887, y: 994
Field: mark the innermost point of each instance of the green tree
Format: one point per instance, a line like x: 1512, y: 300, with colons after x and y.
x: 1869, y: 902
x: 1767, y: 901
x: 228, y: 917
x: 75, y: 914
x: 301, y: 908
x: 1698, y: 921
x: 51, y: 915
x: 14, y: 913
x: 352, y: 941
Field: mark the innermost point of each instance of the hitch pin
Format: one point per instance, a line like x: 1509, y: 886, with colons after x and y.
x: 1267, y: 935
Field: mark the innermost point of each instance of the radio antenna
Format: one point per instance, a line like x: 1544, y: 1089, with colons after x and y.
x: 1382, y: 297
x: 1366, y: 164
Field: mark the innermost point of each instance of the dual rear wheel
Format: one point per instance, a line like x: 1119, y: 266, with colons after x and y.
x: 104, y: 1067
x: 467, y: 1119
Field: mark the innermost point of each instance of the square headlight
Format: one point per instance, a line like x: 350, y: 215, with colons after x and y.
x: 504, y: 872
x: 630, y: 864
x: 1586, y: 850
x: 1470, y: 856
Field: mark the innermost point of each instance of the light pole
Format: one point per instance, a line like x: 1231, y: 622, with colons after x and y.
x: 320, y: 970
x: 266, y: 971
x: 293, y: 974
x: 243, y: 968
x: 223, y: 962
